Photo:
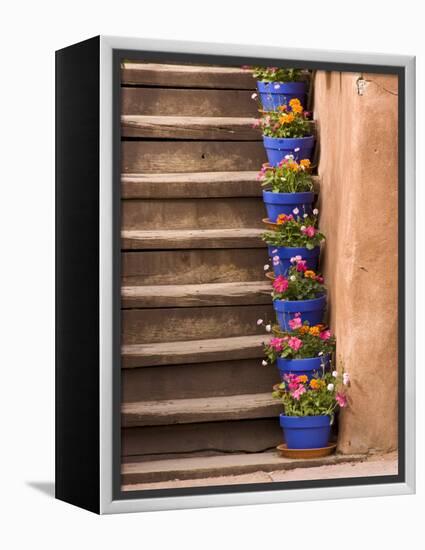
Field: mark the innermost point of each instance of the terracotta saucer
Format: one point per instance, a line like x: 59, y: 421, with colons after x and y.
x: 270, y: 225
x: 305, y: 453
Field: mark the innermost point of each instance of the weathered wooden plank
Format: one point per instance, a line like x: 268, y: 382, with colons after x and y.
x: 213, y: 294
x: 182, y: 411
x: 200, y: 266
x: 192, y: 351
x: 146, y: 472
x: 185, y: 381
x: 190, y: 156
x: 162, y: 442
x: 190, y: 185
x: 191, y: 238
x: 187, y: 76
x: 184, y: 214
x: 142, y: 326
x: 181, y: 127
x: 187, y: 102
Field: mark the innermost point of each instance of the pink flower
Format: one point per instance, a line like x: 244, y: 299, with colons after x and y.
x: 325, y: 335
x: 276, y: 260
x: 276, y: 344
x: 301, y: 265
x: 341, y: 399
x: 310, y: 231
x: 295, y: 343
x: 295, y: 323
x: 296, y: 394
x: 280, y: 284
x: 319, y: 279
x: 256, y: 123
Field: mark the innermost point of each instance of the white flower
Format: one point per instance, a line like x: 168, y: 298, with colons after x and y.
x: 296, y: 211
x: 254, y: 96
x: 296, y: 149
x: 293, y: 260
x: 268, y: 328
x: 315, y: 211
x: 305, y: 216
x: 293, y: 278
x: 264, y: 363
x: 298, y: 258
x: 260, y: 322
x: 302, y: 227
x: 276, y: 260
x: 335, y: 373
x: 289, y: 157
x: 266, y: 267
x: 330, y: 387
x: 345, y: 378
x: 320, y: 353
x: 276, y: 86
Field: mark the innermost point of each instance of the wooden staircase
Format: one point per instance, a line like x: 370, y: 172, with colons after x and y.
x: 193, y: 283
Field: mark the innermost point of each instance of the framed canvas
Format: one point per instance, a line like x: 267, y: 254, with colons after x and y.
x: 235, y: 274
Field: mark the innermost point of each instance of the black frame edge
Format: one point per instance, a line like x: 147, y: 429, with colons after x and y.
x: 77, y: 95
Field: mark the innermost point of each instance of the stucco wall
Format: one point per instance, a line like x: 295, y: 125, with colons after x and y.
x: 358, y: 209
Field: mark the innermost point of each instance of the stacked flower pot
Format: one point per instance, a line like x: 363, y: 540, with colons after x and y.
x: 302, y: 346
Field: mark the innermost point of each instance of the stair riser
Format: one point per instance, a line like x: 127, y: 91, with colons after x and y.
x: 173, y: 324
x: 193, y: 266
x: 186, y: 156
x: 187, y: 102
x: 254, y: 435
x: 197, y: 380
x: 192, y: 213
x: 160, y: 75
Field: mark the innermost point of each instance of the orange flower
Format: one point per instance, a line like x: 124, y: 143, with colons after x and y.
x: 315, y: 384
x: 304, y: 329
x: 309, y: 274
x: 306, y: 163
x: 314, y: 331
x: 297, y: 109
x: 293, y: 166
x: 294, y: 101
x: 286, y: 118
x: 282, y: 108
x: 303, y: 379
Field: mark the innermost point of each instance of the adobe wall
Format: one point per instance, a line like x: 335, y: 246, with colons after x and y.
x: 358, y: 214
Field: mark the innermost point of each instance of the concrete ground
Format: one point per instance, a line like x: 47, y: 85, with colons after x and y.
x: 373, y: 465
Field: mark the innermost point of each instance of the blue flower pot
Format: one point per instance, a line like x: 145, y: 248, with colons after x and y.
x: 285, y: 203
x: 306, y: 432
x: 310, y: 367
x: 285, y: 254
x: 278, y: 148
x: 275, y: 94
x: 312, y: 311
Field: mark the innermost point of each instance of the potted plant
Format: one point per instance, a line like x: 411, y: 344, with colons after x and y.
x: 302, y: 292
x: 286, y: 133
x: 295, y: 238
x: 309, y: 407
x: 303, y: 350
x: 277, y: 86
x: 288, y: 186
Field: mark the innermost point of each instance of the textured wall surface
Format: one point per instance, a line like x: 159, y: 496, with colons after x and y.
x: 358, y: 202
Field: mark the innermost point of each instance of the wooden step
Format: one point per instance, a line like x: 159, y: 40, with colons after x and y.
x: 213, y: 294
x: 190, y: 185
x: 191, y: 156
x: 181, y: 127
x: 199, y: 266
x: 199, y: 214
x: 187, y: 102
x: 187, y: 76
x: 212, y: 466
x: 192, y: 238
x: 183, y: 411
x: 193, y: 351
x: 200, y: 439
x: 186, y: 381
x: 142, y: 326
